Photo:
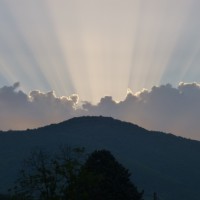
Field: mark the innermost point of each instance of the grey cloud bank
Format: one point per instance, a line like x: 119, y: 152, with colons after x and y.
x: 163, y: 108
x: 21, y: 111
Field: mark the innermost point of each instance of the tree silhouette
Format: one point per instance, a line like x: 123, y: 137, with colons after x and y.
x: 65, y: 177
x: 46, y: 178
x: 103, y: 178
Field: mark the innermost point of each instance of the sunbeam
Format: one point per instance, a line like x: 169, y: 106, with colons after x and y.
x: 16, y: 55
x: 97, y: 47
x: 159, y: 27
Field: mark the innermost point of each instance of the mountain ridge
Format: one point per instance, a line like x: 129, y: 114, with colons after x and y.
x: 160, y: 162
x: 66, y: 122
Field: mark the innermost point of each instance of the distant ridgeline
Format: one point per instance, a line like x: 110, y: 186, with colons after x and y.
x: 159, y: 162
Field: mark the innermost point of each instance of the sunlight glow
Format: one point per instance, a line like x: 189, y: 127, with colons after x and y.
x: 98, y: 47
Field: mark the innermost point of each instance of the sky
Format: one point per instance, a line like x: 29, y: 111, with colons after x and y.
x: 135, y: 60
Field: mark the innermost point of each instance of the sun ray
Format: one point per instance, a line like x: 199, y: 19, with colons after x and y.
x: 97, y: 47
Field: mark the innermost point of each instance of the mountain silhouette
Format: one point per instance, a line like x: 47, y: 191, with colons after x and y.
x: 159, y: 162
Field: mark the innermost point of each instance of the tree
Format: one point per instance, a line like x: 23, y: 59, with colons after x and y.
x: 103, y: 178
x: 65, y: 177
x: 46, y: 178
x: 37, y: 179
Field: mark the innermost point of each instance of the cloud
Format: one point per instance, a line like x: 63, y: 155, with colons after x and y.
x: 163, y: 108
x: 21, y: 111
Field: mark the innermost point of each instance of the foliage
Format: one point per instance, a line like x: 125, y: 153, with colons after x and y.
x: 66, y: 176
x: 108, y: 179
x: 47, y: 178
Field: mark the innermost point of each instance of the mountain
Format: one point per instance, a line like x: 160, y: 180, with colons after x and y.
x: 159, y: 162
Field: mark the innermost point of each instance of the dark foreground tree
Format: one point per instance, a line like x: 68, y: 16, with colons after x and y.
x: 48, y: 178
x: 65, y: 177
x: 103, y: 178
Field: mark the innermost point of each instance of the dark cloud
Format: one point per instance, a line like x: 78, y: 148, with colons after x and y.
x: 21, y: 111
x: 163, y: 108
